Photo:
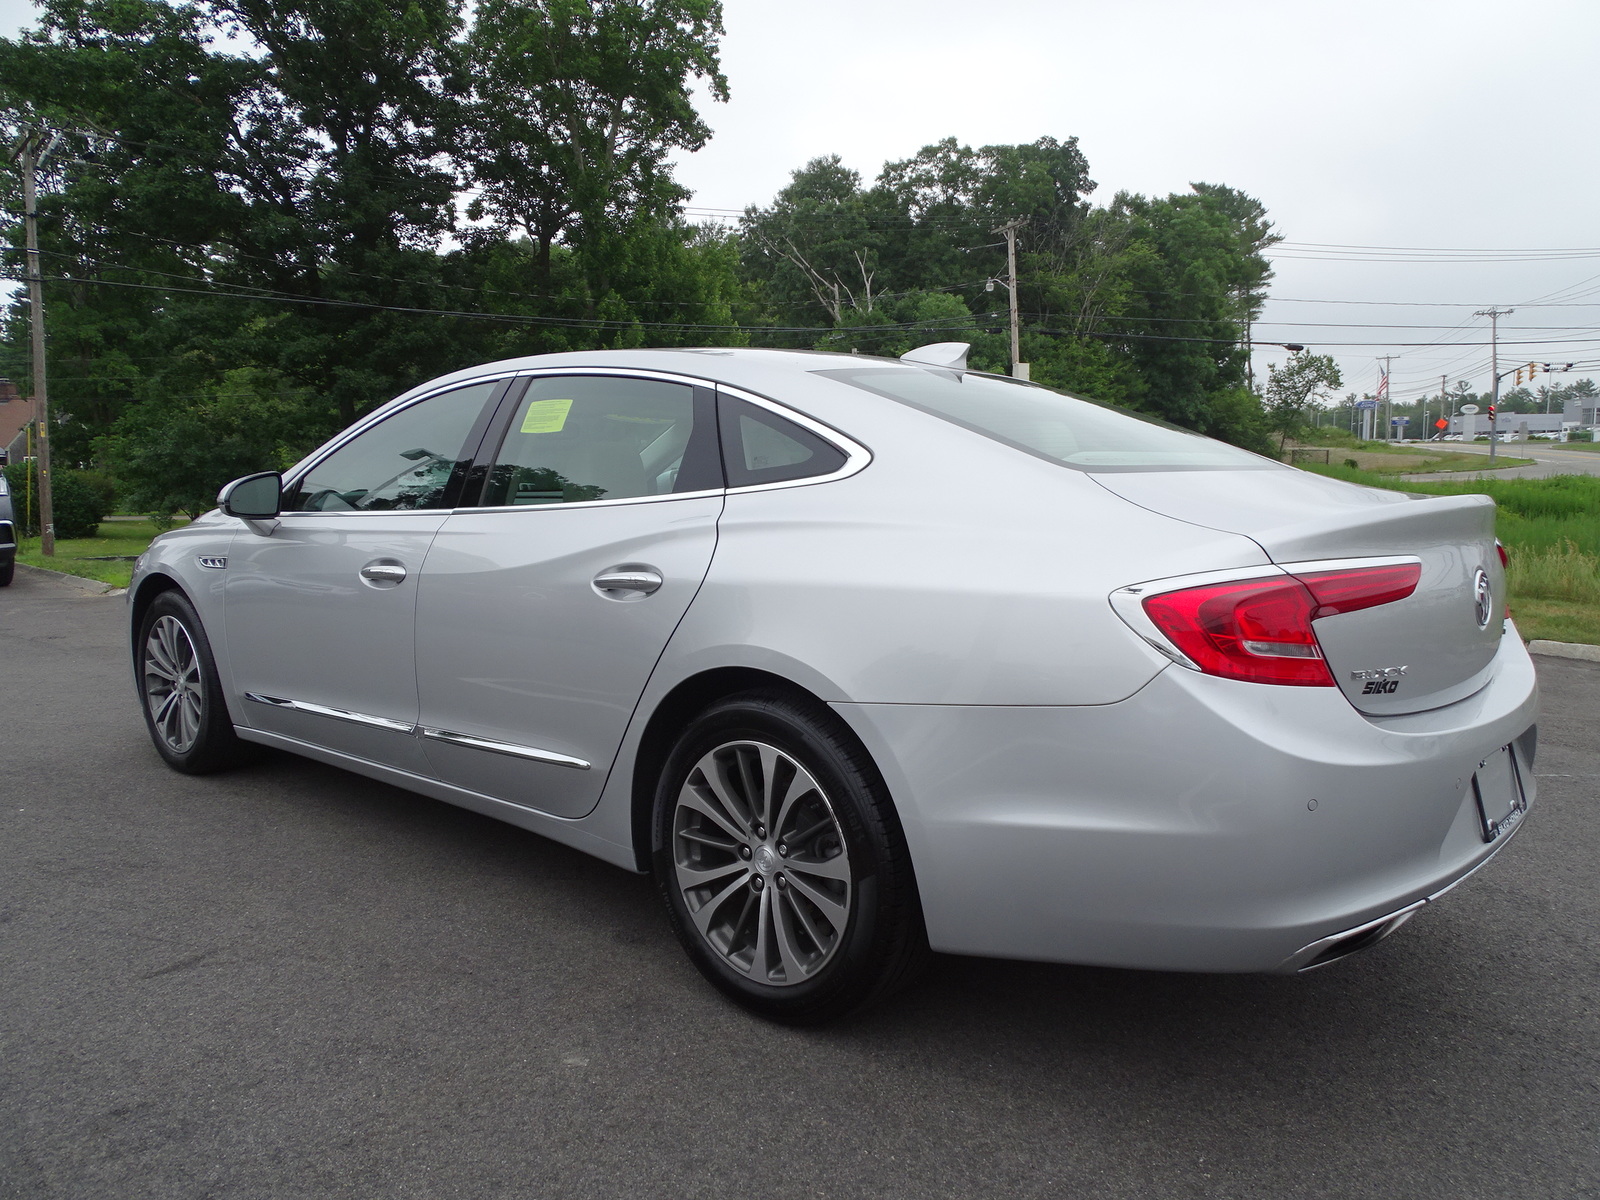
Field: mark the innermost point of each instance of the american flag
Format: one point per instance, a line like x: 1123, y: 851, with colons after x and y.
x: 1383, y: 385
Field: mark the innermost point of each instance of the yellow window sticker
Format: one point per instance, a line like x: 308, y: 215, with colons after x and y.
x: 546, y: 416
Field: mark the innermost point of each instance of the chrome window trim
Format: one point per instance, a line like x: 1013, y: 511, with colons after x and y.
x: 532, y: 753
x: 338, y: 714
x: 1128, y: 602
x: 480, y: 509
x: 856, y: 456
x: 522, y: 508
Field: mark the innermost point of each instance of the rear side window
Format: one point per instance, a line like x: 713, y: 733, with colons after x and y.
x: 1050, y: 424
x: 761, y: 447
x: 581, y: 438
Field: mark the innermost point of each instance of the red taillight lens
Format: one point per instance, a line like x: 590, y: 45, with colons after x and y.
x: 1505, y: 559
x: 1259, y: 630
x: 1364, y: 587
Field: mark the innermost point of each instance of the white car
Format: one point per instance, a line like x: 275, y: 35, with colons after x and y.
x: 860, y: 657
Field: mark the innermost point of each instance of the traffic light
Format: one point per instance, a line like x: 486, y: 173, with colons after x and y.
x: 1520, y: 371
x: 1491, y: 412
x: 1533, y: 369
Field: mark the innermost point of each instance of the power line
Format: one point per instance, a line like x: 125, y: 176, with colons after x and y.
x: 973, y: 321
x: 431, y: 284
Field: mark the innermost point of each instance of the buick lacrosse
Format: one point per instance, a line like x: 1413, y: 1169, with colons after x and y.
x: 861, y: 657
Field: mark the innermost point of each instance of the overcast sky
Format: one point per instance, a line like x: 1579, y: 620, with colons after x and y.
x: 1449, y: 125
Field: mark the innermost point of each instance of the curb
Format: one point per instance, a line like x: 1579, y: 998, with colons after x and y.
x: 1565, y: 650
x: 92, y: 587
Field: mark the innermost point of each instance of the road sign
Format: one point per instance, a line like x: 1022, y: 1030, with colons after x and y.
x: 1469, y: 409
x: 1441, y: 423
x: 1366, y: 404
x: 1398, y: 421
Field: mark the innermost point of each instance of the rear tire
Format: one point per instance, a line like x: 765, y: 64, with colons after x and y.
x: 7, y: 570
x: 180, y: 692
x: 781, y: 861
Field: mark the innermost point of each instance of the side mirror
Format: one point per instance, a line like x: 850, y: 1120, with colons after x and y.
x: 253, y: 498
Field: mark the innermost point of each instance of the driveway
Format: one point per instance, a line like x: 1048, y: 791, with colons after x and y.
x: 1549, y: 458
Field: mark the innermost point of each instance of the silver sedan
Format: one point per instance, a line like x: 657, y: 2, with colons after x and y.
x: 862, y: 657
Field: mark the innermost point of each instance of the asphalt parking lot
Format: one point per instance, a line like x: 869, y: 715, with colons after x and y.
x: 292, y: 982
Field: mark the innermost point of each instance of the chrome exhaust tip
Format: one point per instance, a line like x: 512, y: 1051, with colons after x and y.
x: 1331, y: 949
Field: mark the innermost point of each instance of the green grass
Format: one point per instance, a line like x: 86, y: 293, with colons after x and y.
x: 1557, y: 621
x: 1388, y: 458
x: 119, y: 541
x: 1551, y: 529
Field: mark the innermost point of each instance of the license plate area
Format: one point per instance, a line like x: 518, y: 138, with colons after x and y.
x: 1497, y: 788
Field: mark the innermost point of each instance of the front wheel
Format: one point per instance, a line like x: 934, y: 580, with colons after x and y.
x: 782, y: 863
x: 179, y: 689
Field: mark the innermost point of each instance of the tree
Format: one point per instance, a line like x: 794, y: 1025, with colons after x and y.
x: 1293, y: 390
x: 569, y: 110
x: 1197, y: 272
x: 174, y: 454
x: 816, y: 246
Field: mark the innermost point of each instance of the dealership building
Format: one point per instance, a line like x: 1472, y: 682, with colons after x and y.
x: 1575, y: 414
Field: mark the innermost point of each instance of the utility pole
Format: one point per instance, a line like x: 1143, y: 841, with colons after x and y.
x: 1249, y: 342
x: 1249, y: 355
x: 1444, y: 403
x: 1019, y: 369
x: 1494, y: 315
x: 31, y: 152
x: 1388, y: 400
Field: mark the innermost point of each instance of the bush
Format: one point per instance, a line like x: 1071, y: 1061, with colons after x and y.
x: 172, y: 454
x: 79, y: 499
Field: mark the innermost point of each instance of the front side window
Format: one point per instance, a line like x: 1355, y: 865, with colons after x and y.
x: 578, y: 438
x: 1050, y: 424
x: 405, y: 462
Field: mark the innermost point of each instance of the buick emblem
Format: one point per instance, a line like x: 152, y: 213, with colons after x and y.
x: 1483, y: 597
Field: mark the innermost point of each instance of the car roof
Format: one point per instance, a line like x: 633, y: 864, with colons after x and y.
x: 756, y: 369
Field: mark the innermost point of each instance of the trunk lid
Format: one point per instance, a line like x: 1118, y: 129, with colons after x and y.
x: 1432, y: 648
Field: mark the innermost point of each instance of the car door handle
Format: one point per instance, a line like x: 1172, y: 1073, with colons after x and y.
x: 640, y: 580
x: 384, y: 573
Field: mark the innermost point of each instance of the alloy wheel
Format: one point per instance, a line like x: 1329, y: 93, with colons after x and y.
x: 759, y: 858
x: 172, y: 684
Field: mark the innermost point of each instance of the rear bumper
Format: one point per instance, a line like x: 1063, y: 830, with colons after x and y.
x: 1176, y: 830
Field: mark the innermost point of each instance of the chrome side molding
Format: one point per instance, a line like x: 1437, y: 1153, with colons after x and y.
x: 532, y: 753
x: 338, y: 714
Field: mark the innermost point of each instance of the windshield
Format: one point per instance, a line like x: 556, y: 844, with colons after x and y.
x: 1051, y: 424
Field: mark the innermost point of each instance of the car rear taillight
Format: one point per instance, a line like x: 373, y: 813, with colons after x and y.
x: 1364, y: 587
x: 1505, y: 559
x: 1260, y: 629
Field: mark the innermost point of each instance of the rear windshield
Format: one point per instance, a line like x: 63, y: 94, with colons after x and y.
x: 1051, y: 424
